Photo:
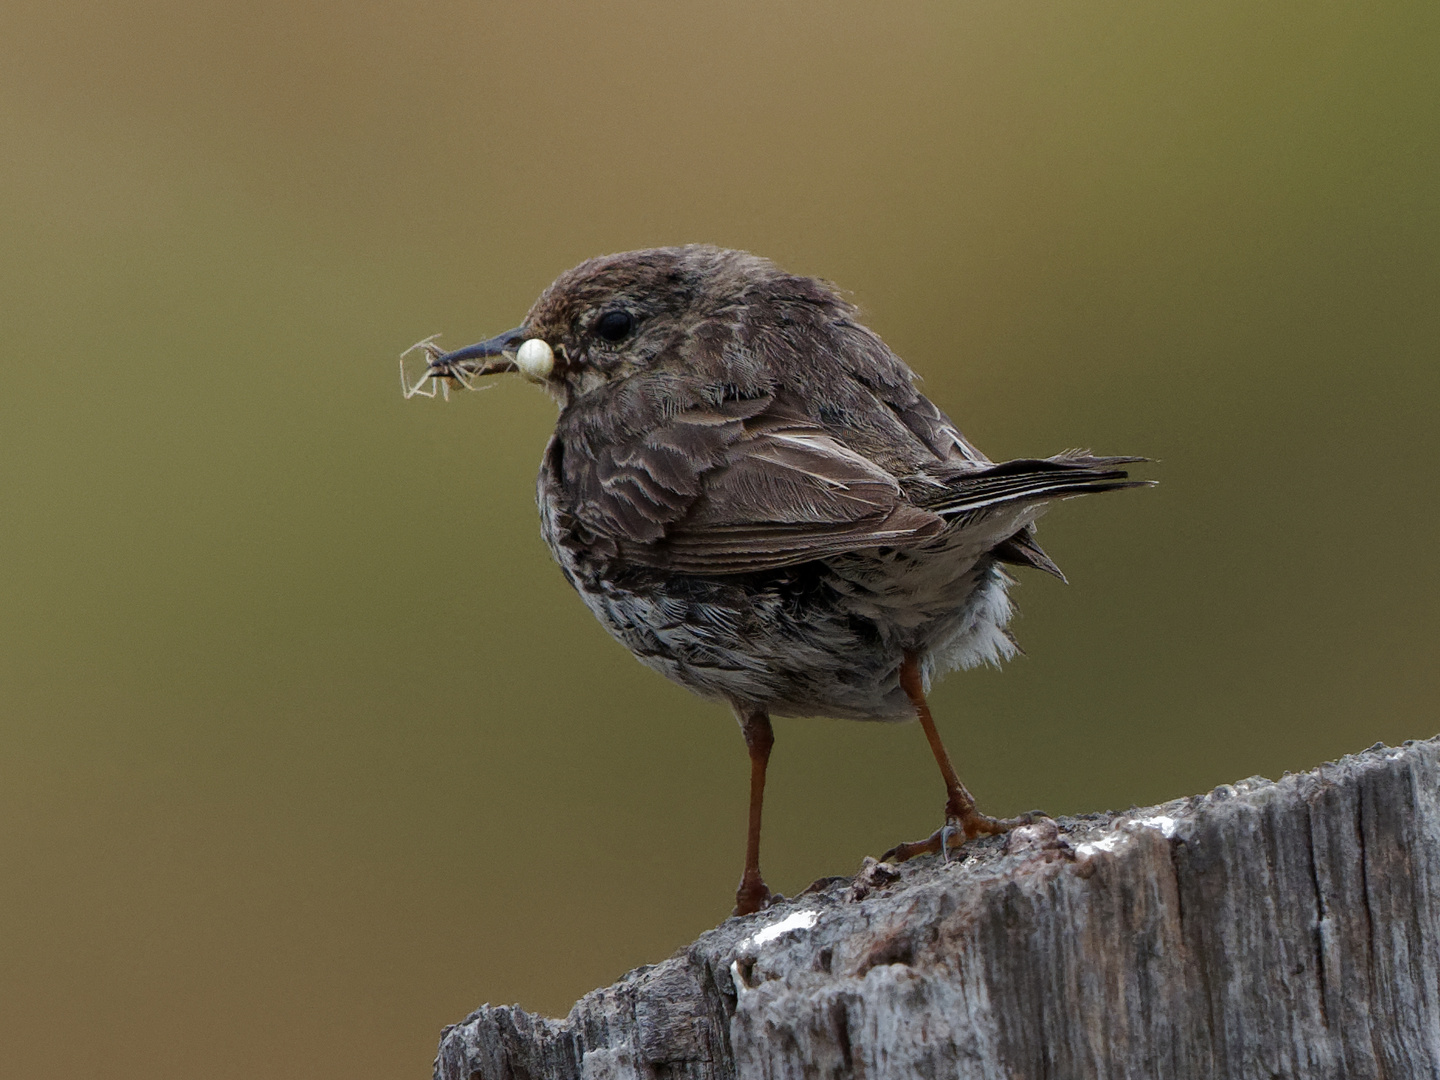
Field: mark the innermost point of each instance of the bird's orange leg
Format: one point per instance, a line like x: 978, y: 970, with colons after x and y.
x: 753, y: 894
x: 962, y: 821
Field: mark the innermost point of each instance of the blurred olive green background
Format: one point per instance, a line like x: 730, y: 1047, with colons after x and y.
x: 306, y: 748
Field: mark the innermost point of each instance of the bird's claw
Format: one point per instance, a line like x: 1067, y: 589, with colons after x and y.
x: 945, y: 831
x: 967, y: 827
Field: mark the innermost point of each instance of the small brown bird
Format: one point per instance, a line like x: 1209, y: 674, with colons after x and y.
x: 748, y: 491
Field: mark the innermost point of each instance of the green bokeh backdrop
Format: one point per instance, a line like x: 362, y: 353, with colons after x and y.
x: 306, y: 749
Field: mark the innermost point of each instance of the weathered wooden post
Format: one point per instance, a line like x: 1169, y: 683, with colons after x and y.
x: 1286, y: 929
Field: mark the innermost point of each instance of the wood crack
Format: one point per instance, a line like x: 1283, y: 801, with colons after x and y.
x: 1322, y: 921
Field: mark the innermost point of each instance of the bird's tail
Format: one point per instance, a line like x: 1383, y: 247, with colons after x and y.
x: 1075, y: 472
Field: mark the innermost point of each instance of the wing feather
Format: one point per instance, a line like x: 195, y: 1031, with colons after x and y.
x: 716, y: 490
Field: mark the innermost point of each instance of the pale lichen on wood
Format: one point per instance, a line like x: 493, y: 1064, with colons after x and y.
x: 1286, y: 929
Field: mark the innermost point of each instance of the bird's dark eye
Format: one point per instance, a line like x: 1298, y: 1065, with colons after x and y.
x: 615, y: 326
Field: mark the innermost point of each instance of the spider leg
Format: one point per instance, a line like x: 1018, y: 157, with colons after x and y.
x: 425, y: 385
x: 428, y: 345
x: 419, y: 389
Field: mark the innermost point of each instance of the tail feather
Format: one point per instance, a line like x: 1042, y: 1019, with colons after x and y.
x: 1074, y: 472
x: 1022, y: 550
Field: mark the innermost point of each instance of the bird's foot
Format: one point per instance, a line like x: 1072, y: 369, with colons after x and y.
x: 753, y: 894
x: 959, y: 830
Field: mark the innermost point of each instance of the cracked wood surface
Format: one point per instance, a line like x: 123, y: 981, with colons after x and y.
x: 1266, y: 930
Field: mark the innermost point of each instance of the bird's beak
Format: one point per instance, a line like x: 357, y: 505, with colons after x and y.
x: 489, y: 357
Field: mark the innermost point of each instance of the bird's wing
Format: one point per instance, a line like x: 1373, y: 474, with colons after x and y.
x: 736, y: 487
x: 751, y: 483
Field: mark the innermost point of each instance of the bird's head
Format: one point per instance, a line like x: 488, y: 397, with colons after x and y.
x: 616, y: 315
